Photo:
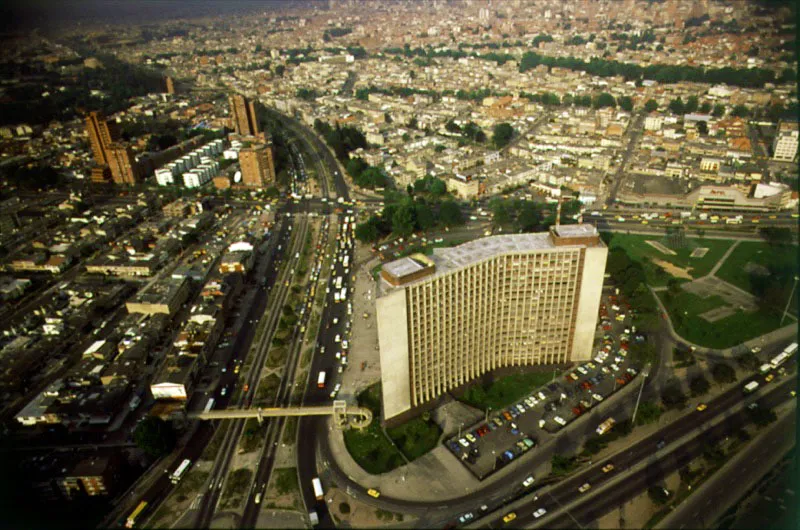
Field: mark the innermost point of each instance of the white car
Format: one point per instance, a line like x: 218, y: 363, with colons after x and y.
x: 337, y: 338
x: 466, y: 517
x: 527, y: 482
x: 582, y: 370
x: 335, y: 320
x: 541, y: 395
x: 344, y: 344
x: 463, y: 442
x: 540, y: 512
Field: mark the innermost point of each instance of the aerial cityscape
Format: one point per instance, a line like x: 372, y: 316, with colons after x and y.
x: 399, y: 263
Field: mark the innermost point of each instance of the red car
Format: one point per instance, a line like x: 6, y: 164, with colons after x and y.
x: 621, y: 381
x: 576, y: 411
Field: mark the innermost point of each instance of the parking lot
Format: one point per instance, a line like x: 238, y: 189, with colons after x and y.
x: 509, y: 434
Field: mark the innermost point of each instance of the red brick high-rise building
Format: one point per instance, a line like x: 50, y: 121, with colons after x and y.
x: 243, y: 115
x: 124, y: 168
x: 102, y: 134
x: 258, y: 168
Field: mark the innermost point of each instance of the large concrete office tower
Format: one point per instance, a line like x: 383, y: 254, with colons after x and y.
x: 244, y: 116
x: 509, y: 300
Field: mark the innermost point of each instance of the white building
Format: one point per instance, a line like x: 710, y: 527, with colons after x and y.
x: 785, y: 146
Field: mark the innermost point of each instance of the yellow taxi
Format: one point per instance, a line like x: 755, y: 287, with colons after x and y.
x: 373, y: 493
x: 769, y: 378
x: 509, y: 517
x: 608, y: 467
x: 701, y: 407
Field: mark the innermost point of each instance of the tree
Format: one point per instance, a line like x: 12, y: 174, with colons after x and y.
x: 699, y: 385
x: 503, y: 132
x: 437, y: 187
x: 355, y: 167
x: 424, y: 216
x: 748, y: 361
x: 723, y: 373
x: 719, y: 110
x: 650, y: 105
x: 154, y: 436
x: 761, y: 416
x: 676, y: 106
x: 673, y: 397
x: 658, y: 494
x: 649, y: 412
x: 702, y: 128
x: 604, y: 99
x: 344, y: 508
x: 691, y: 104
x: 280, y: 70
x: 740, y: 111
x: 450, y: 214
x: 369, y: 231
x: 626, y: 103
x: 403, y: 220
x: 705, y: 108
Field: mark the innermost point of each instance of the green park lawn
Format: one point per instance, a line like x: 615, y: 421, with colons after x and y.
x: 775, y: 258
x: 638, y: 250
x: 504, y: 391
x: 685, y: 309
x: 378, y: 453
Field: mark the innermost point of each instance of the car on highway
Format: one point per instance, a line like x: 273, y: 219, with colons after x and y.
x: 507, y: 518
x: 236, y: 370
x: 540, y: 512
x: 466, y: 517
x: 769, y: 378
x: 608, y: 467
x: 224, y: 391
x: 373, y: 493
x: 246, y: 387
x: 701, y: 407
x: 584, y: 488
x: 527, y: 482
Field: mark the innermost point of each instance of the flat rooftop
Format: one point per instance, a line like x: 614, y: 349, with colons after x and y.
x: 448, y: 259
x: 402, y: 267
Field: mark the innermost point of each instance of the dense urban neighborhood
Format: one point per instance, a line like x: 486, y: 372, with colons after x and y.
x: 403, y: 263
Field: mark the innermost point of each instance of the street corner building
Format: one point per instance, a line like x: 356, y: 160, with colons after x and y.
x: 499, y: 301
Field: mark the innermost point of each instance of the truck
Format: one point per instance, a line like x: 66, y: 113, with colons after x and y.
x: 605, y: 426
x: 686, y: 215
x: 750, y: 387
x: 344, y: 294
x: 337, y: 296
x: 313, y: 517
x: 346, y: 260
x: 130, y: 522
x: 338, y: 282
x: 703, y: 216
x: 321, y: 379
x: 317, y: 485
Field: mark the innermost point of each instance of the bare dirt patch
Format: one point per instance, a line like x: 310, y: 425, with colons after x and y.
x: 718, y: 313
x: 661, y: 248
x: 674, y: 270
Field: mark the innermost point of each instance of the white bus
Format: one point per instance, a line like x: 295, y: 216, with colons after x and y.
x: 321, y: 380
x: 209, y: 405
x: 176, y: 476
x: 750, y: 387
x: 318, y: 493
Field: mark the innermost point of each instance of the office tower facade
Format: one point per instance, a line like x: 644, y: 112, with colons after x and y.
x: 101, y: 135
x: 500, y: 301
x: 258, y: 169
x: 784, y: 148
x: 124, y: 168
x: 243, y: 114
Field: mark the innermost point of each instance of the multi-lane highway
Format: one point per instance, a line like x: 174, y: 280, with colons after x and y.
x: 659, y: 463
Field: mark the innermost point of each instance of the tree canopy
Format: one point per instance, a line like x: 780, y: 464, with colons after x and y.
x: 154, y: 436
x: 503, y: 132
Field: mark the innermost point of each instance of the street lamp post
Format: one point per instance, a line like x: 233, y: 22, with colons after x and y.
x: 486, y: 417
x: 645, y: 373
x: 790, y: 299
x: 459, y: 429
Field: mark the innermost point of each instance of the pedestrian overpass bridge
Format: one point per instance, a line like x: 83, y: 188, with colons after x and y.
x: 344, y: 416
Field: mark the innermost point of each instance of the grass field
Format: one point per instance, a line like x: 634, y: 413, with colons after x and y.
x: 640, y: 251
x: 415, y: 437
x: 504, y: 391
x: 778, y: 259
x: 685, y: 308
x: 370, y: 447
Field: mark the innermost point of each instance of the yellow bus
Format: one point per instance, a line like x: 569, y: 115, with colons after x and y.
x: 135, y: 514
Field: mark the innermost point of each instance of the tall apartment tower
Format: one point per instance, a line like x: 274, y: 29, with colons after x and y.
x: 244, y: 116
x: 500, y: 301
x: 101, y: 135
x: 258, y: 168
x: 784, y: 147
x: 124, y: 168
